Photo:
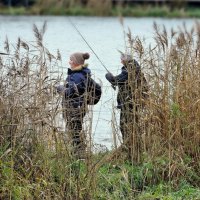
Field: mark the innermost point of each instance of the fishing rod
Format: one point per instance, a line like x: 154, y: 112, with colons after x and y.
x: 113, y: 86
x: 88, y: 45
x: 4, y: 54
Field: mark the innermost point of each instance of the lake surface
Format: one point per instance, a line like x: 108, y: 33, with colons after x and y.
x: 105, y: 36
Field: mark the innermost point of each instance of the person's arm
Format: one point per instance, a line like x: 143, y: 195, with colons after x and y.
x: 76, y: 86
x: 68, y: 92
x: 119, y: 79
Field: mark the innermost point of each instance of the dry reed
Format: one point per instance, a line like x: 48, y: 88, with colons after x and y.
x: 35, y: 161
x: 170, y: 123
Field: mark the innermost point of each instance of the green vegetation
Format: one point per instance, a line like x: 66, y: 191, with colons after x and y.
x: 35, y: 156
x: 100, y: 10
x: 57, y: 176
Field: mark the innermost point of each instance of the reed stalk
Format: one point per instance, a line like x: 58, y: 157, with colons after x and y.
x: 35, y: 159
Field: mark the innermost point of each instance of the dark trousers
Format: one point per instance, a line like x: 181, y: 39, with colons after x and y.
x: 129, y: 127
x: 74, y: 125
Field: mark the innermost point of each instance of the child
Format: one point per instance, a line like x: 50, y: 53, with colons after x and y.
x: 74, y: 103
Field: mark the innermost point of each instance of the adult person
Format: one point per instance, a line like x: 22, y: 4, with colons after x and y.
x: 74, y: 101
x: 132, y: 92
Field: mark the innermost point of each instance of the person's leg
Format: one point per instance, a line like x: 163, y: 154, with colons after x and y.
x: 75, y: 127
x: 134, y: 135
x: 123, y: 127
x: 129, y: 131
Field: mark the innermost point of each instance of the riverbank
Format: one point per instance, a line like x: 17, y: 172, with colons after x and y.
x: 58, y: 176
x: 36, y: 156
x: 132, y: 11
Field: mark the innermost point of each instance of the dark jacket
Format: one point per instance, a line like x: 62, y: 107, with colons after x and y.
x: 132, y: 85
x: 76, y: 83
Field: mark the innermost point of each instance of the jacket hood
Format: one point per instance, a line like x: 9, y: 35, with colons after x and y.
x: 86, y: 70
x: 82, y: 68
x: 133, y: 65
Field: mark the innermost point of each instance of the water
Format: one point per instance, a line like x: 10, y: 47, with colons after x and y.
x: 105, y: 36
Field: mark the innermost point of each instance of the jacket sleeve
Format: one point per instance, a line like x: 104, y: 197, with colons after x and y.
x: 119, y: 79
x: 70, y: 90
x: 74, y: 86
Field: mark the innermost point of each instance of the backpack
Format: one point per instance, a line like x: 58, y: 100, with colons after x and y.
x: 94, y: 91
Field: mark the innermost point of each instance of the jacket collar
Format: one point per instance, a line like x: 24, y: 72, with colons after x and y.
x: 77, y: 69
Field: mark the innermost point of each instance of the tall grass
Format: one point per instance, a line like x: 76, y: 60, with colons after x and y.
x: 35, y: 160
x: 170, y: 136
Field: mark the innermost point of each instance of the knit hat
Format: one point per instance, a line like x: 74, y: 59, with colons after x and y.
x: 79, y: 58
x: 126, y: 57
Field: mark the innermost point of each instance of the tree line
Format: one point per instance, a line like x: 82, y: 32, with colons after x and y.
x: 69, y: 3
x: 18, y: 2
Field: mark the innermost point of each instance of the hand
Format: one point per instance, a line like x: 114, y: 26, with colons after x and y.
x: 60, y: 89
x: 109, y: 76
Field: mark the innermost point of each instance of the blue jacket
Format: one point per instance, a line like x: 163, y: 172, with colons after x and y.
x: 76, y: 83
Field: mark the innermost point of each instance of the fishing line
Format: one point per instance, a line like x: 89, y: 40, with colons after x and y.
x: 88, y: 44
x: 90, y: 48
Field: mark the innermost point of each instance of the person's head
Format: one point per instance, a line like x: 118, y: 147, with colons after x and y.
x: 126, y: 58
x: 78, y: 59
